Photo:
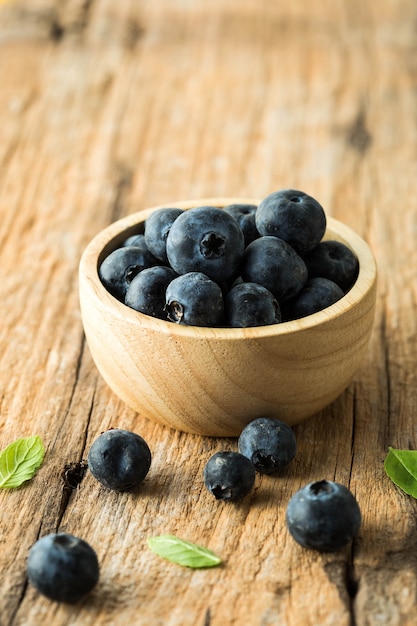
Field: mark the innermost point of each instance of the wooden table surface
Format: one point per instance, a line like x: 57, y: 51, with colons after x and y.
x: 107, y: 108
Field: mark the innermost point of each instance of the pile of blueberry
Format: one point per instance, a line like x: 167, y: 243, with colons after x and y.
x: 240, y: 266
x: 322, y: 516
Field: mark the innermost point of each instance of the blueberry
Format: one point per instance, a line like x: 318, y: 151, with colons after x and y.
x: 269, y: 444
x: 195, y: 300
x: 208, y: 240
x: 119, y: 459
x: 244, y: 214
x: 318, y: 294
x: 157, y: 227
x: 229, y: 475
x: 293, y: 216
x: 323, y: 516
x: 335, y: 261
x: 249, y: 304
x: 62, y: 567
x: 146, y: 292
x: 274, y: 264
x: 137, y: 241
x: 120, y: 267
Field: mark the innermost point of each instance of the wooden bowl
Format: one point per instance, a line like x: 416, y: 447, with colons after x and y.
x: 213, y: 381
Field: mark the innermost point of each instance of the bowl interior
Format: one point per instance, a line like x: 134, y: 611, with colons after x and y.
x: 114, y: 235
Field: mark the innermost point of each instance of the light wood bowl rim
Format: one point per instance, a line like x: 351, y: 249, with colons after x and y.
x: 93, y: 253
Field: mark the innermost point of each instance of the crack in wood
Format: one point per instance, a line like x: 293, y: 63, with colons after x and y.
x: 358, y: 136
x: 340, y: 573
x: 68, y: 19
x: 56, y: 31
x: 387, y: 372
x: 19, y: 602
x: 352, y: 583
x: 352, y: 436
x: 74, y: 472
x: 72, y: 475
x: 23, y: 590
x: 207, y: 618
x: 73, y: 19
x: 134, y: 32
x: 122, y: 185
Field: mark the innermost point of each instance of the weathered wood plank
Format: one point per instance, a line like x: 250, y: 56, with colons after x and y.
x: 108, y: 108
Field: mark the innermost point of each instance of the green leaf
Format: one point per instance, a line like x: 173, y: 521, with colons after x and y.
x: 401, y: 467
x: 183, y: 552
x: 20, y: 460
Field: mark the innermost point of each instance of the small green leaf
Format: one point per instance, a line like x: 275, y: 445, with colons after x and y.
x: 20, y: 460
x: 401, y: 467
x: 182, y: 552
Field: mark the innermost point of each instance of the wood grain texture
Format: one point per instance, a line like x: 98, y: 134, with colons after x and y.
x: 107, y: 108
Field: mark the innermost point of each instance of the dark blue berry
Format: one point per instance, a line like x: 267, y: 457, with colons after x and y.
x: 146, y: 292
x: 323, y: 516
x: 318, y: 294
x: 195, y: 300
x: 294, y: 216
x: 62, y: 567
x: 157, y: 227
x: 121, y: 266
x: 119, y: 459
x: 229, y: 475
x: 269, y: 444
x: 206, y: 239
x: 335, y: 261
x: 137, y: 241
x: 249, y: 304
x: 274, y: 264
x: 244, y: 214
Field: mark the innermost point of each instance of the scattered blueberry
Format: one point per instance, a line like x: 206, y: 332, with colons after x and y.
x: 146, y: 292
x: 121, y: 266
x: 249, y: 304
x: 62, y: 567
x: 335, y: 261
x: 268, y: 443
x: 195, y: 300
x: 274, y: 264
x: 316, y: 295
x: 157, y: 227
x: 229, y: 475
x: 244, y: 214
x: 208, y: 240
x: 293, y: 216
x: 323, y: 516
x: 119, y: 459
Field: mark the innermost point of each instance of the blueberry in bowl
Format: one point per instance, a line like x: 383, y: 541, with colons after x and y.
x: 206, y: 239
x: 212, y: 379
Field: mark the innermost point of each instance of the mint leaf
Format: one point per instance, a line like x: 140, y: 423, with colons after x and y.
x: 183, y: 552
x: 401, y: 467
x: 20, y: 460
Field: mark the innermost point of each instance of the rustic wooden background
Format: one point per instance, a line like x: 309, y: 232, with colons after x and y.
x: 110, y: 107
